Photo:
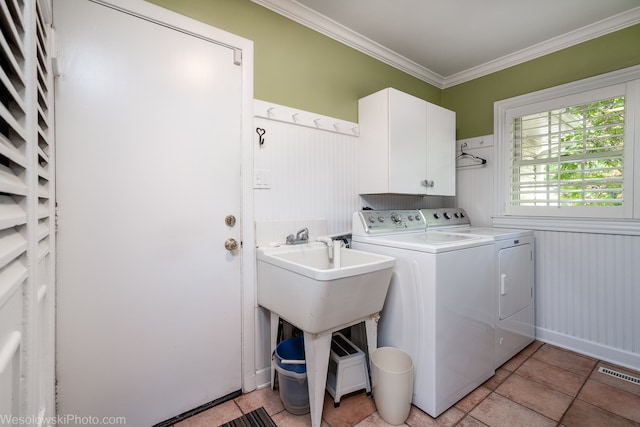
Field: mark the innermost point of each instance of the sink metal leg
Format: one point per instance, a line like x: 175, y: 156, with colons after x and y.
x: 275, y: 320
x: 317, y: 349
x: 371, y: 326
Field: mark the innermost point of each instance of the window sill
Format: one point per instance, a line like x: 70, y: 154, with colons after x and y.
x: 627, y: 227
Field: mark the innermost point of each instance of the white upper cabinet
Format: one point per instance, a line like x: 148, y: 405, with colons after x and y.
x: 406, y: 146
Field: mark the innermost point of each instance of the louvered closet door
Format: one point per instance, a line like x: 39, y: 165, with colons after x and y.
x: 148, y: 161
x: 26, y: 207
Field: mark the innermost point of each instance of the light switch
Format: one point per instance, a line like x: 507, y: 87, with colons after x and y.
x: 261, y: 179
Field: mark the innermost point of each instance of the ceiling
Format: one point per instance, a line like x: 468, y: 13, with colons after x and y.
x: 446, y: 42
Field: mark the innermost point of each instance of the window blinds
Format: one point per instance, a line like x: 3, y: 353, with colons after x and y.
x: 572, y: 156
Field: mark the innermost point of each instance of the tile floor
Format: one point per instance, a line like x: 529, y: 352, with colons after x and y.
x: 541, y: 386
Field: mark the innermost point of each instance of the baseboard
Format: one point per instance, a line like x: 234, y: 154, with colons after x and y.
x: 589, y: 348
x: 263, y: 378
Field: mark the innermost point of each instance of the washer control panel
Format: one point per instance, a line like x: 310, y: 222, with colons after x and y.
x: 388, y: 221
x: 445, y: 216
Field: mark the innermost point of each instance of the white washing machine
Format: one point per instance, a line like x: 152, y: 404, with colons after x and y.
x: 513, y: 278
x: 440, y: 305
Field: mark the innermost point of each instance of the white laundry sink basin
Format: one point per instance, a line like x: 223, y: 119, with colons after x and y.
x: 301, y: 284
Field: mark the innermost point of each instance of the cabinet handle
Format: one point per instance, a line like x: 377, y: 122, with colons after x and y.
x: 503, y: 284
x: 428, y: 183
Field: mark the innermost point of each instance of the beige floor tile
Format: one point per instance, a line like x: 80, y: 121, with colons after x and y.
x: 469, y: 421
x: 471, y: 400
x: 353, y: 409
x: 582, y: 414
x: 498, y: 411
x: 532, y: 348
x: 419, y: 418
x: 547, y: 401
x: 611, y: 399
x: 286, y: 419
x: 215, y: 416
x: 374, y: 420
x: 512, y: 364
x: 551, y: 376
x: 493, y: 382
x: 564, y: 359
x: 267, y: 398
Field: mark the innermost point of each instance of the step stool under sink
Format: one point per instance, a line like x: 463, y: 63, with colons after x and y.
x: 347, y: 369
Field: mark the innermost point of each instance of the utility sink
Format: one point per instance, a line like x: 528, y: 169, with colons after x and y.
x: 303, y: 284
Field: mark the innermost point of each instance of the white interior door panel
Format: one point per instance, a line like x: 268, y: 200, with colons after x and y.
x: 149, y: 139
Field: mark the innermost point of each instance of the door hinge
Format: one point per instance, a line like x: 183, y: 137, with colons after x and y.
x: 55, y: 218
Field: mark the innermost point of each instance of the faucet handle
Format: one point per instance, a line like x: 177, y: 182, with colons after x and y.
x: 302, y: 234
x: 290, y: 239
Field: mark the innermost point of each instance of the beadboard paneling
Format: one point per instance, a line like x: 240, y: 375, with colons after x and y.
x: 311, y: 175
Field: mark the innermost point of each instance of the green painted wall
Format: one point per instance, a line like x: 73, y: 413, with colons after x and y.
x: 473, y: 101
x: 301, y: 68
x: 298, y: 67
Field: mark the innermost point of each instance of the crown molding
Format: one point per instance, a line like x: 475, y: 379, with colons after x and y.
x: 330, y: 28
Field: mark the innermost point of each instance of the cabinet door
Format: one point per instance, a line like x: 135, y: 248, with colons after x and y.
x: 408, y: 143
x: 440, y: 151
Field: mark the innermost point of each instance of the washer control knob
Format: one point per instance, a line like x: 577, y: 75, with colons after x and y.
x: 410, y: 217
x: 372, y: 219
x: 436, y: 215
x: 447, y: 215
x: 381, y: 218
x: 462, y: 215
x: 456, y: 215
x: 396, y: 217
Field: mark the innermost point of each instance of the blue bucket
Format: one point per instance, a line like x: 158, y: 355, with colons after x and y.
x: 289, y: 355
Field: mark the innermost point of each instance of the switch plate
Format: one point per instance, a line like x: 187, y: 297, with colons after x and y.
x: 262, y: 179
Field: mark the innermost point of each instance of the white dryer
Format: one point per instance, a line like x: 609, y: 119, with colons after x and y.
x: 439, y: 307
x: 513, y: 278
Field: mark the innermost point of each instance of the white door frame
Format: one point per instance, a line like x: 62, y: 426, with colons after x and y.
x: 244, y: 53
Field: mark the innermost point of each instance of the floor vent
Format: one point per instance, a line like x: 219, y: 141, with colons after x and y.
x: 619, y: 375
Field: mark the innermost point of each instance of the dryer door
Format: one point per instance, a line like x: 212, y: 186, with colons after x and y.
x: 515, y: 267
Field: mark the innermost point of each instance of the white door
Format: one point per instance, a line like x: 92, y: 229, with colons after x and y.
x: 148, y: 167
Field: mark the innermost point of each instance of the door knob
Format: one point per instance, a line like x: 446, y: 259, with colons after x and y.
x: 231, y: 244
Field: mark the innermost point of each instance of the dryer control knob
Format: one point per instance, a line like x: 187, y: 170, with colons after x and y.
x: 396, y: 217
x: 447, y: 215
x: 381, y: 218
x: 436, y: 215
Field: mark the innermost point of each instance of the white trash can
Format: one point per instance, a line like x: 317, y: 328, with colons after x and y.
x: 392, y: 383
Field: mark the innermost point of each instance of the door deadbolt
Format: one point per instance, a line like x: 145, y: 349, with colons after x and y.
x: 231, y: 244
x: 230, y: 220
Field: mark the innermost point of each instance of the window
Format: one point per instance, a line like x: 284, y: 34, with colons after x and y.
x: 569, y: 151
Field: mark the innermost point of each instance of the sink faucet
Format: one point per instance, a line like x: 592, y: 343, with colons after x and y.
x: 329, y: 242
x: 302, y: 236
x: 334, y: 248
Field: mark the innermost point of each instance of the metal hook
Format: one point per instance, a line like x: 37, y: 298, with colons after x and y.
x: 260, y: 133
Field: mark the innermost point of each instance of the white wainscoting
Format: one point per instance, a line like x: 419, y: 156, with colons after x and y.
x: 587, y: 283
x: 310, y: 171
x: 588, y: 294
